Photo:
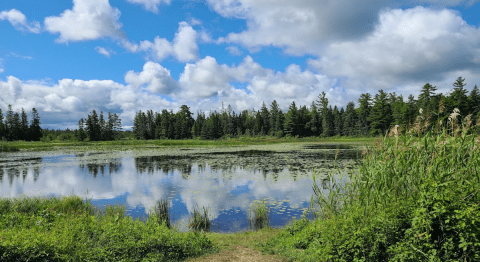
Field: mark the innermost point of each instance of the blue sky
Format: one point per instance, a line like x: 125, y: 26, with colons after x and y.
x: 66, y: 58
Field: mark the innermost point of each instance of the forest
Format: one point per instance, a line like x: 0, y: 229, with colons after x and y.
x: 373, y: 115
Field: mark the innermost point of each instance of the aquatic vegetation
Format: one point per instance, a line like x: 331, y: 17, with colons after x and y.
x: 199, y: 221
x: 160, y: 211
x: 259, y: 215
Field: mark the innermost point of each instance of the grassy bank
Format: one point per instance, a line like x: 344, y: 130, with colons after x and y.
x: 413, y: 199
x: 68, y: 229
x: 139, y: 144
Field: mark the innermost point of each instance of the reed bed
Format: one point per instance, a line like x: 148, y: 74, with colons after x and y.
x: 416, y: 197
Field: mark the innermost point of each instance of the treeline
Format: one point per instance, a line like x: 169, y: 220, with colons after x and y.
x: 96, y: 128
x: 15, y: 126
x: 375, y: 115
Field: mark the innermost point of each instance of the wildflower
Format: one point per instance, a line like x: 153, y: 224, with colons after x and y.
x: 420, y: 111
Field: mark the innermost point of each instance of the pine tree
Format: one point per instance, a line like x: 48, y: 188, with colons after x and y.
x: 290, y: 125
x: 80, y: 134
x: 381, y: 115
x: 265, y: 118
x: 274, y: 111
x: 35, y: 129
x: 458, y: 98
x: 23, y: 126
x: 474, y: 101
x: 363, y: 113
x: 93, y: 127
x: 350, y: 120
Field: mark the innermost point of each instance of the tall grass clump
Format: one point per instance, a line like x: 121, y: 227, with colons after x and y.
x: 414, y: 198
x: 259, y: 215
x: 160, y: 212
x: 199, y: 221
x: 69, y: 229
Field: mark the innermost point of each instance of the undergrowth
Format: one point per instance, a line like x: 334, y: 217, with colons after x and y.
x: 415, y: 198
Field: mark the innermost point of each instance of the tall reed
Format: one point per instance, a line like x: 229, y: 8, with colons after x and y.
x: 161, y: 213
x: 259, y: 215
x: 199, y: 221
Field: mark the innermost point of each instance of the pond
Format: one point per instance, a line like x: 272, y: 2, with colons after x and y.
x: 226, y: 180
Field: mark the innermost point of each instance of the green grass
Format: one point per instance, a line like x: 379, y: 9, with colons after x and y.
x: 69, y: 229
x: 413, y: 199
x: 259, y: 215
x: 133, y: 144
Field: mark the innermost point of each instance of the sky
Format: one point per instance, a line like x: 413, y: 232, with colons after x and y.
x: 67, y: 58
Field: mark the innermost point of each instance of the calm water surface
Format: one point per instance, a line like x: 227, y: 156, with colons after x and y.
x: 226, y: 181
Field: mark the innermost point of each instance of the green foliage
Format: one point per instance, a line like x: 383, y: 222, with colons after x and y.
x: 68, y: 229
x: 413, y: 199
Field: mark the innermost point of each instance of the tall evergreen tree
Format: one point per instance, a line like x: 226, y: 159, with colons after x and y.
x: 35, y: 131
x: 290, y: 125
x: 81, y: 135
x: 381, y: 115
x: 473, y: 101
x: 363, y: 113
x: 315, y: 123
x: 350, y: 120
x: 93, y: 127
x: 458, y: 98
x: 23, y: 126
x: 425, y: 97
x: 265, y: 114
x: 338, y: 121
x: 274, y: 111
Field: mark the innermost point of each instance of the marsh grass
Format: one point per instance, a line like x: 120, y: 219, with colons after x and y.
x: 161, y: 212
x: 259, y: 215
x: 200, y: 222
x: 414, y: 198
x: 70, y: 229
x: 4, y: 147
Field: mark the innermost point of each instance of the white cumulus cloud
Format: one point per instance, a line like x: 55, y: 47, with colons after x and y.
x: 183, y: 47
x: 150, y: 5
x: 87, y: 20
x: 19, y: 21
x: 104, y: 51
x: 156, y: 78
x: 412, y: 45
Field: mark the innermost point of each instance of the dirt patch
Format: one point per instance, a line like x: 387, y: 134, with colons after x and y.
x: 240, y: 253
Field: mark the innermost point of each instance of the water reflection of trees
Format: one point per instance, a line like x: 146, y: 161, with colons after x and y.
x: 226, y: 163
x: 113, y: 166
x: 15, y: 170
x: 165, y: 164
